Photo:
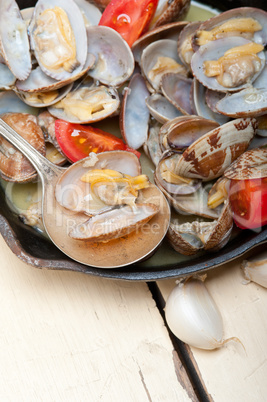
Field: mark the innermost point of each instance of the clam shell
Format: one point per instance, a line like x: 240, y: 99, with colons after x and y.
x: 13, y: 165
x: 251, y: 164
x: 161, y: 109
x: 213, y: 51
x: 114, y: 224
x: 209, y: 156
x: 177, y: 89
x: 114, y: 59
x: 168, y: 161
x: 78, y: 27
x: 38, y: 81
x: 191, y: 237
x: 151, y: 146
x: 37, y: 99
x: 168, y: 11
x: 7, y: 79
x: 90, y: 12
x: 183, y: 134
x: 184, y: 46
x: 14, y: 43
x: 86, y: 104
x: 150, y: 56
x: 134, y: 116
x: 241, y: 12
x: 166, y: 31
x: 76, y: 195
x: 200, y: 103
x: 191, y: 204
x: 250, y: 102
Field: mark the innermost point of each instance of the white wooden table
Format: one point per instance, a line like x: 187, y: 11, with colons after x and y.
x: 67, y: 336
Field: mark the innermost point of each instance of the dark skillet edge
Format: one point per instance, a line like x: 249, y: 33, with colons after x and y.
x: 246, y: 241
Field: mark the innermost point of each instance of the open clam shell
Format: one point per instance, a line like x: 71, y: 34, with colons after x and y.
x: 159, y: 58
x: 191, y: 237
x: 209, y: 156
x: 86, y: 104
x: 202, y: 108
x: 166, y: 31
x: 260, y: 36
x: 114, y: 224
x: 60, y: 59
x: 192, y: 204
x: 181, y: 135
x: 44, y: 99
x: 14, y: 43
x: 184, y: 45
x: 77, y: 196
x: 91, y: 14
x: 213, y: 51
x: 38, y: 81
x: 165, y: 176
x: 177, y: 89
x: 134, y: 116
x: 114, y: 59
x: 161, y: 109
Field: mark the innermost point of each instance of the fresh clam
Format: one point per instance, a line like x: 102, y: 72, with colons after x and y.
x: 159, y: 58
x: 86, y: 103
x: 58, y: 38
x: 76, y: 195
x: 191, y: 237
x: 228, y: 64
x: 246, y: 22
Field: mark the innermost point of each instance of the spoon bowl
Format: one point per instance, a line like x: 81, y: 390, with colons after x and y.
x: 58, y: 220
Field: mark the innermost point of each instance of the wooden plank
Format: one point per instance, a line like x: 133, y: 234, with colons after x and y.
x: 71, y: 337
x: 233, y: 373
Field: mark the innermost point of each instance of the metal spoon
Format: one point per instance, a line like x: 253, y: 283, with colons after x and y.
x: 58, y: 220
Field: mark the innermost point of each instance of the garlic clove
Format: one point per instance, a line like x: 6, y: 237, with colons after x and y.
x: 256, y: 270
x: 193, y: 316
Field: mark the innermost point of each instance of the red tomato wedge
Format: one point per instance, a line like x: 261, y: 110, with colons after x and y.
x: 77, y: 141
x: 130, y: 18
x: 248, y: 200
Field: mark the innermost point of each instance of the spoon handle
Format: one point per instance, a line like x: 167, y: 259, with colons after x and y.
x: 46, y: 169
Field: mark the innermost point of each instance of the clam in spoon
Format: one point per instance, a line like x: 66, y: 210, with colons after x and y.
x: 58, y: 221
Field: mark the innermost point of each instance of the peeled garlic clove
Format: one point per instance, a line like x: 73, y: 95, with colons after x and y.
x: 193, y: 316
x: 256, y: 270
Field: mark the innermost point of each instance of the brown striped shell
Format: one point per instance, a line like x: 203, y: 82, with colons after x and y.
x: 13, y: 165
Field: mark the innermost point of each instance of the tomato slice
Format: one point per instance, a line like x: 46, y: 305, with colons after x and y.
x: 77, y: 141
x: 248, y: 200
x: 130, y: 18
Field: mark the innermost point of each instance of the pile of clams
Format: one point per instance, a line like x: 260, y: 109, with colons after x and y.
x: 192, y: 95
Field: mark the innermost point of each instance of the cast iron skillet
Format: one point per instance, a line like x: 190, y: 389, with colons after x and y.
x: 34, y: 249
